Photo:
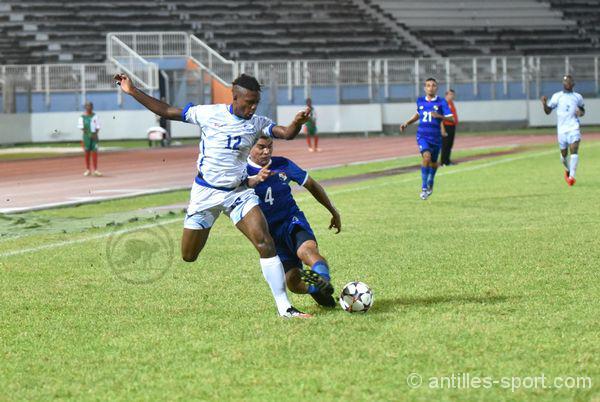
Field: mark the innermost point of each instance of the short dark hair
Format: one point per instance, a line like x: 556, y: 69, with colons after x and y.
x: 248, y: 82
x: 431, y: 79
x: 451, y: 91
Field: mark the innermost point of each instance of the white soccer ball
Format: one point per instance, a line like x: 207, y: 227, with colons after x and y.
x: 356, y: 297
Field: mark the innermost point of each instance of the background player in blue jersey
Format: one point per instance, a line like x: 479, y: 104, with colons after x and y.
x: 294, y: 239
x: 431, y: 111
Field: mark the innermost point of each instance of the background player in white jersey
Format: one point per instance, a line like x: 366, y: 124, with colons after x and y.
x: 222, y: 183
x: 569, y: 107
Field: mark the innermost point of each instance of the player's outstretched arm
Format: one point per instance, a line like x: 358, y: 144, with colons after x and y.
x: 410, y: 121
x: 156, y: 106
x: 547, y: 109
x: 291, y: 131
x: 320, y: 195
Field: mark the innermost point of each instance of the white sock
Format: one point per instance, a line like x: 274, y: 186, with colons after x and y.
x: 564, y: 161
x: 573, y: 165
x: 272, y: 270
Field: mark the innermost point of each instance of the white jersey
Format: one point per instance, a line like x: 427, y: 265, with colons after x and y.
x: 225, y: 142
x: 94, y: 123
x: 566, y: 104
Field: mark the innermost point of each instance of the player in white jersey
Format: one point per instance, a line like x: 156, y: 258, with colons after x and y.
x: 222, y: 183
x: 569, y: 108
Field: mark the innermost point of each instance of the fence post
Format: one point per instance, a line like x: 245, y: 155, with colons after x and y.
x: 448, y: 83
x: 82, y: 84
x: 523, y: 72
x: 305, y: 74
x: 494, y: 68
x: 596, y: 74
x: 567, y: 65
x: 386, y: 78
x: 47, y: 85
x: 538, y: 78
x: 370, y: 79
x: 417, y: 79
x: 289, y: 81
x: 160, y: 46
x: 504, y: 76
x: 475, y: 83
x: 336, y: 72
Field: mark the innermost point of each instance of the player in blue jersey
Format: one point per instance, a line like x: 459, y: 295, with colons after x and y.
x: 431, y: 111
x: 295, y: 241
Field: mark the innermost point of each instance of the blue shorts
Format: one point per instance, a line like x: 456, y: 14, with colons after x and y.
x: 288, y: 236
x: 432, y: 147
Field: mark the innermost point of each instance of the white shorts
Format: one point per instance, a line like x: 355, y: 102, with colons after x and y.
x: 206, y: 204
x: 566, y: 139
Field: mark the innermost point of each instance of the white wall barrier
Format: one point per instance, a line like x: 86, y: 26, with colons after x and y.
x: 52, y: 127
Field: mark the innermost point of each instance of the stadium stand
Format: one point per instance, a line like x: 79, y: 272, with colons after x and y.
x: 38, y: 31
x: 489, y: 27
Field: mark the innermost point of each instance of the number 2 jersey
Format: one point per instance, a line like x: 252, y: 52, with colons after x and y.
x: 275, y: 194
x: 225, y: 142
x: 429, y: 127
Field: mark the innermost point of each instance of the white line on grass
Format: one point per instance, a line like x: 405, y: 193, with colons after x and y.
x: 387, y: 183
x: 85, y: 239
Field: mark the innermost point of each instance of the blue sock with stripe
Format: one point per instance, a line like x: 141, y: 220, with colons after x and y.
x: 321, y: 268
x: 424, y: 176
x: 431, y: 177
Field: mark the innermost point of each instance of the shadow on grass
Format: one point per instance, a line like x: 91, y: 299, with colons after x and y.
x: 387, y: 304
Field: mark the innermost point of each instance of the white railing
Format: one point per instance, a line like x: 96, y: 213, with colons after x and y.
x: 448, y: 71
x: 155, y: 44
x: 206, y: 57
x: 141, y: 71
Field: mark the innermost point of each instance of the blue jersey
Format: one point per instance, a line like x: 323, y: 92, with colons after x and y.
x: 429, y: 127
x: 275, y: 194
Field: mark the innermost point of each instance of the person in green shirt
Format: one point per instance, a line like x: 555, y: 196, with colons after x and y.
x: 90, y: 127
x: 310, y: 128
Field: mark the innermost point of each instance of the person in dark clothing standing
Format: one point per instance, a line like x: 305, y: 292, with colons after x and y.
x: 450, y: 128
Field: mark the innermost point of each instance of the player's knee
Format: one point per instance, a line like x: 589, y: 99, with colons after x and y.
x: 265, y: 246
x: 189, y: 257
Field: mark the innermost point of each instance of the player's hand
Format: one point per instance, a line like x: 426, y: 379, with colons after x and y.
x: 95, y: 137
x: 403, y: 127
x: 578, y: 112
x: 302, y: 116
x: 125, y: 82
x: 336, y: 222
x: 544, y: 99
x: 436, y: 115
x: 262, y: 175
x: 444, y: 133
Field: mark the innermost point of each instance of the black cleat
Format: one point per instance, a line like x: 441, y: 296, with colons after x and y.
x: 325, y: 300
x: 320, y: 282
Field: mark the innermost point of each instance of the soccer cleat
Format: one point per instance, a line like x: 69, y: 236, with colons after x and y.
x: 325, y: 300
x: 293, y: 312
x: 424, y: 194
x: 429, y: 190
x: 567, y: 176
x: 86, y: 173
x: 97, y: 173
x: 571, y: 181
x: 313, y: 278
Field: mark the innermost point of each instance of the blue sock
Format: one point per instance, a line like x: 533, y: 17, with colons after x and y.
x: 431, y: 177
x: 321, y: 268
x: 424, y: 176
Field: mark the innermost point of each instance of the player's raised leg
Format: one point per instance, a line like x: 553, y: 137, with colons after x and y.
x: 192, y: 243
x: 254, y: 226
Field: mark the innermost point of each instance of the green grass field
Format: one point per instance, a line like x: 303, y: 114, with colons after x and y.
x: 496, y: 276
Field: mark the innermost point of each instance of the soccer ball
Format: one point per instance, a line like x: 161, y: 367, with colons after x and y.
x: 356, y: 297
